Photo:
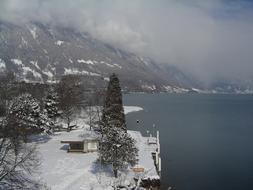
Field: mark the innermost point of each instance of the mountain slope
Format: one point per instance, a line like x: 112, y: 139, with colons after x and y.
x: 41, y: 53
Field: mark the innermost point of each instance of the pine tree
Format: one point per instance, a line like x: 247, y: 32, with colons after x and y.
x: 118, y: 149
x: 51, y: 105
x: 116, y: 146
x: 113, y: 112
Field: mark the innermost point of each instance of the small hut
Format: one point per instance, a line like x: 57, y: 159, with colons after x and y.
x: 87, y: 142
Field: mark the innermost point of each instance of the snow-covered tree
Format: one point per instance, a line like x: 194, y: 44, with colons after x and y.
x: 18, y: 160
x: 25, y: 116
x: 113, y: 112
x: 118, y: 149
x: 116, y: 146
x: 51, y: 105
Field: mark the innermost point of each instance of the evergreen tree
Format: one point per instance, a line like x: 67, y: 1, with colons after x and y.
x: 118, y: 149
x: 113, y: 111
x: 51, y: 105
x: 6, y: 91
x: 116, y: 146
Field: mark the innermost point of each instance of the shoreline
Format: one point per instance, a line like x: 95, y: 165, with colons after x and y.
x: 62, y: 170
x: 131, y: 109
x: 149, y: 159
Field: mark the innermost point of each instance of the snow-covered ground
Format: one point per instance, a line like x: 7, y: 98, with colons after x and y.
x: 60, y: 170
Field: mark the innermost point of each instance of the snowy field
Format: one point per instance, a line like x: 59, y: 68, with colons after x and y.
x: 60, y: 170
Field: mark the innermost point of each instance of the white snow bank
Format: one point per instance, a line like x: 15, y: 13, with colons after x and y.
x: 2, y: 65
x: 75, y: 71
x: 33, y: 32
x: 48, y: 73
x: 37, y: 75
x: 17, y: 62
x: 88, y: 62
x: 35, y: 63
x: 129, y: 109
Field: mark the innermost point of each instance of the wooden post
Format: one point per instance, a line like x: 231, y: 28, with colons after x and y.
x: 160, y: 166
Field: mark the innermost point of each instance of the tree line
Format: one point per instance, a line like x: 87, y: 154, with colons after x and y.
x: 27, y: 110
x: 30, y: 109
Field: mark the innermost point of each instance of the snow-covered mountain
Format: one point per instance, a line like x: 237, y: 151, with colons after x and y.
x: 41, y: 53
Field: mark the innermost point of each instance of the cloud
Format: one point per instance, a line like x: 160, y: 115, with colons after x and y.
x: 210, y: 39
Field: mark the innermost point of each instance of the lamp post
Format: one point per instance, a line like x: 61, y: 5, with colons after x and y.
x: 153, y: 130
x: 138, y: 123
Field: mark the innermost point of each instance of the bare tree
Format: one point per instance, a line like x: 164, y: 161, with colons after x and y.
x: 69, y: 92
x: 17, y: 160
x: 94, y: 108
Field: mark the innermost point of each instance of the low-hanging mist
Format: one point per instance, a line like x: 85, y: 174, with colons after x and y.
x: 209, y: 39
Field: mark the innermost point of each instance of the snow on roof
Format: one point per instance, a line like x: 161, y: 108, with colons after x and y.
x: 73, y: 136
x: 63, y: 171
x: 81, y: 135
x: 90, y: 135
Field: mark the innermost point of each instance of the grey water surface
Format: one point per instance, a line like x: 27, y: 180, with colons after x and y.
x: 206, y: 140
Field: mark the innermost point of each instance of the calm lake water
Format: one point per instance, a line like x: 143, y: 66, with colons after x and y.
x: 206, y: 140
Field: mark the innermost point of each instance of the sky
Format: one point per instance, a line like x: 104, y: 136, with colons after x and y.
x: 210, y: 39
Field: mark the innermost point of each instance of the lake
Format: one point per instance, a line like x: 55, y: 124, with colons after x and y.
x: 206, y: 140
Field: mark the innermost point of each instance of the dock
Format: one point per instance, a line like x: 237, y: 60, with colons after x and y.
x: 148, y: 169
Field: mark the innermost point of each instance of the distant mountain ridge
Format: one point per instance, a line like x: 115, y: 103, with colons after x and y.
x: 41, y: 53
